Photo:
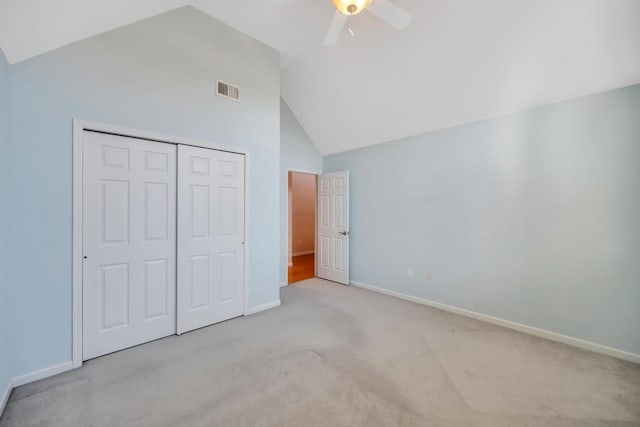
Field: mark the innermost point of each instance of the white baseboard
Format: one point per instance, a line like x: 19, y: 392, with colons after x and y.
x: 283, y: 284
x: 42, y: 374
x: 4, y: 398
x: 303, y: 253
x: 263, y: 307
x: 543, y: 333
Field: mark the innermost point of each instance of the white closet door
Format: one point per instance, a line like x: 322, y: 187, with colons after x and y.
x: 210, y: 237
x: 333, y: 227
x: 129, y: 242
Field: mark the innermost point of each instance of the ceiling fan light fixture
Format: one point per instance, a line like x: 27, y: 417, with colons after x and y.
x: 351, y: 7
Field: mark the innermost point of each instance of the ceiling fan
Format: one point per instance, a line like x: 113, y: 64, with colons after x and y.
x: 383, y: 9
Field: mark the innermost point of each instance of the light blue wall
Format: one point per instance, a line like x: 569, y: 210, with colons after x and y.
x: 532, y: 217
x: 5, y: 290
x: 297, y: 152
x: 157, y: 75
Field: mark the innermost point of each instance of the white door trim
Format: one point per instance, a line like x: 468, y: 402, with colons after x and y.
x: 286, y: 224
x: 79, y: 126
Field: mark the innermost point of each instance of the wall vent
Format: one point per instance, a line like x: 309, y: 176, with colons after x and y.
x: 228, y: 90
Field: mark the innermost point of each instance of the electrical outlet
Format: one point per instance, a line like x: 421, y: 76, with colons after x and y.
x: 430, y: 276
x: 409, y: 272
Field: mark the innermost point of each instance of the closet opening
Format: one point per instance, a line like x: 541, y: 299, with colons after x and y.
x: 159, y: 236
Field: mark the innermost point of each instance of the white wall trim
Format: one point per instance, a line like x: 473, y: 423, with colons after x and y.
x: 42, y: 374
x: 311, y: 252
x: 283, y: 284
x: 5, y: 397
x: 263, y: 307
x: 79, y: 126
x: 76, y: 261
x: 543, y: 333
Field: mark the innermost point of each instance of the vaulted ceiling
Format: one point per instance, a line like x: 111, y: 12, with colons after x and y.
x: 458, y: 61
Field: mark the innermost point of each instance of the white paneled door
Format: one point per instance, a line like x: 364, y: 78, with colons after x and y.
x: 129, y: 242
x: 333, y: 227
x: 210, y: 237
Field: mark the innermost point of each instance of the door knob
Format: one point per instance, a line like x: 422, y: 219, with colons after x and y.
x: 344, y: 233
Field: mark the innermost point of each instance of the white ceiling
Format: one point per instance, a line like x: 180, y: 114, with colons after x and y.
x: 458, y: 61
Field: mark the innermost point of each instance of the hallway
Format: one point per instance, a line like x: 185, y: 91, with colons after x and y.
x: 303, y: 268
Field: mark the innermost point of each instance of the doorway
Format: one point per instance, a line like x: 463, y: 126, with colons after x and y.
x: 301, y: 241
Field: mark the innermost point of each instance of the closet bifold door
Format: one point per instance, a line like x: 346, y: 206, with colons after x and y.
x: 210, y: 237
x: 129, y: 242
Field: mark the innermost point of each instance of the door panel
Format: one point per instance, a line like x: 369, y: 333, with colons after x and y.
x: 129, y: 241
x: 200, y: 218
x: 156, y: 197
x: 155, y: 288
x: 333, y: 227
x: 210, y: 237
x: 115, y: 211
x: 198, y: 279
x: 114, y: 296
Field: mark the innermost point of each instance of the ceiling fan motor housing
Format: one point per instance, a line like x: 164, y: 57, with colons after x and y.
x: 351, y: 7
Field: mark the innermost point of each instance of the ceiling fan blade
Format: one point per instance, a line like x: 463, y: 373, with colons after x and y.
x: 390, y: 13
x: 335, y: 28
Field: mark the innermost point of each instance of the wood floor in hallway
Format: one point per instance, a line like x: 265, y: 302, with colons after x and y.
x: 303, y: 268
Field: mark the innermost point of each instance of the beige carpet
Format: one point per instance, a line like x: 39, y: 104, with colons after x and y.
x: 339, y: 356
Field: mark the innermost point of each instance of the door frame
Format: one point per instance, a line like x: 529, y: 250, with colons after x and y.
x: 79, y: 126
x: 286, y: 223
